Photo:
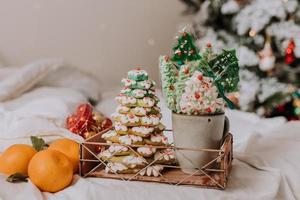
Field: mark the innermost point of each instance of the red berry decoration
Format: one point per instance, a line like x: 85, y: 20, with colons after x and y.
x: 197, y: 95
x: 208, y: 110
x: 289, y: 53
x: 280, y: 108
x: 200, y: 77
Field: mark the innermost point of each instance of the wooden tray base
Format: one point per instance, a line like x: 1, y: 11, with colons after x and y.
x: 170, y: 176
x: 213, y: 175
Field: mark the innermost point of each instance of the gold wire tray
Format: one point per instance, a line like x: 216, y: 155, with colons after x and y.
x: 214, y: 174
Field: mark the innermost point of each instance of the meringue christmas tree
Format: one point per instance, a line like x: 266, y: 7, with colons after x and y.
x: 219, y: 73
x: 136, y: 122
x: 185, y: 50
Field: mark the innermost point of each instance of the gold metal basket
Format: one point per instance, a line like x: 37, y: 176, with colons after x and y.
x: 214, y: 174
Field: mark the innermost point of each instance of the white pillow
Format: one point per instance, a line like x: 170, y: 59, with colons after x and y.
x: 73, y: 78
x: 26, y: 77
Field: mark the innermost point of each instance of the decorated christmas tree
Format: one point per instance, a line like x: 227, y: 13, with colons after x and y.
x: 199, y: 84
x: 266, y: 35
x: 137, y: 122
x: 185, y: 49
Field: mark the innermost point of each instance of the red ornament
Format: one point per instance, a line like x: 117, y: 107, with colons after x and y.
x: 280, y: 108
x: 197, y: 95
x: 200, y: 77
x: 83, y: 122
x: 292, y: 118
x: 85, y: 111
x: 289, y: 53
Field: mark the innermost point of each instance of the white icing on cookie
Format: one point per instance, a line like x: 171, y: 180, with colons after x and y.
x: 130, y: 119
x: 139, y: 110
x: 151, y: 120
x: 148, y: 101
x: 136, y: 138
x: 147, y: 84
x: 126, y: 100
x: 120, y: 127
x: 158, y: 138
x: 115, y: 167
x: 137, y: 73
x: 125, y: 139
x: 105, y: 154
x: 133, y: 160
x: 143, y: 130
x: 130, y: 139
x: 125, y: 90
x: 117, y: 149
x: 109, y: 134
x: 138, y: 93
x: 153, y: 170
x: 126, y: 118
x: 165, y: 155
x: 146, y: 150
x: 200, y: 96
x: 128, y: 82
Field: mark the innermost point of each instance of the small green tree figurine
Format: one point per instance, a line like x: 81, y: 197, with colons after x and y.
x: 185, y: 50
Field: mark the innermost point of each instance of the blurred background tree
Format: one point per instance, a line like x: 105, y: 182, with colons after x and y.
x: 266, y: 34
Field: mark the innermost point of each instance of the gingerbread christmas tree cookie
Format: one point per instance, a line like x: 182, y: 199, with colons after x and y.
x: 136, y: 122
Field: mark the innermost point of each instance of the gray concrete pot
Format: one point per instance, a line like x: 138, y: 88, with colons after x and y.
x: 205, y: 131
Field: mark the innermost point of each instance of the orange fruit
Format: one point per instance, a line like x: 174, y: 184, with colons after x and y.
x: 16, y: 159
x: 50, y: 170
x: 70, y: 148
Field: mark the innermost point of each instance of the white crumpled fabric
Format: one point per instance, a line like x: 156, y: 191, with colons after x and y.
x: 266, y: 155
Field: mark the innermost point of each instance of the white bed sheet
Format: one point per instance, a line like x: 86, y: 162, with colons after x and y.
x: 266, y: 155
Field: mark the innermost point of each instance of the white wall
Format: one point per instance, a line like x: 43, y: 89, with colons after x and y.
x: 104, y: 37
